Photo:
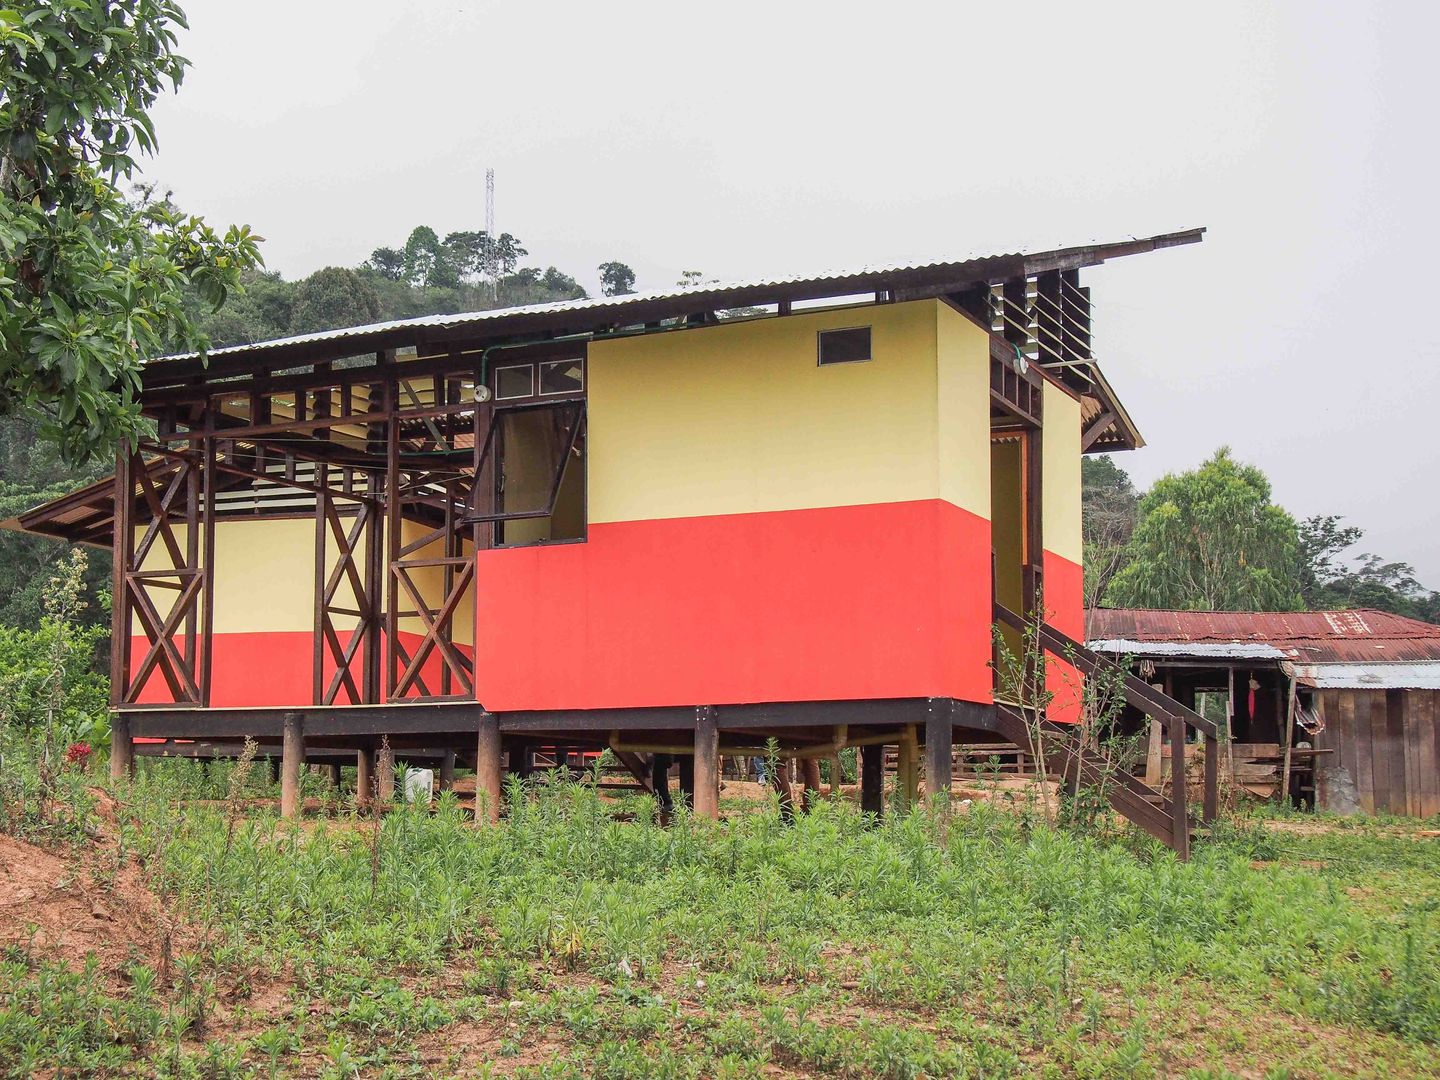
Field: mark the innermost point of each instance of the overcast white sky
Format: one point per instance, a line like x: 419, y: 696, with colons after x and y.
x: 758, y: 138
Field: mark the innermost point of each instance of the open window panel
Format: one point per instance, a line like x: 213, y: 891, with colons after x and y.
x: 530, y: 484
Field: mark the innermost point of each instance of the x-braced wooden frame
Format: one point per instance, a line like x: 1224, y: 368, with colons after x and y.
x: 173, y: 490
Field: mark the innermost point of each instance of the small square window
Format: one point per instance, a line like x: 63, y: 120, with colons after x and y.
x: 848, y: 346
x: 562, y: 376
x: 514, y: 382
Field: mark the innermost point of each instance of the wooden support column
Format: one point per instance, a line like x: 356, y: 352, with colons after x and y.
x: 660, y: 784
x: 292, y: 764
x: 872, y: 779
x: 939, y: 734
x: 837, y: 774
x: 707, y: 764
x: 488, y: 790
x: 122, y: 749
x: 333, y: 772
x: 905, y: 774
x: 780, y: 781
x: 447, y: 771
x: 686, y: 763
x: 385, y: 775
x: 810, y: 782
x: 364, y: 777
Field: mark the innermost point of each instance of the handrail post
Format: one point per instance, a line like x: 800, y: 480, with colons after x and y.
x: 1212, y: 778
x: 1179, y: 814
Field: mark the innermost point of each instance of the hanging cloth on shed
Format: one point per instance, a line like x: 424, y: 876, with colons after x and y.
x: 1254, y: 686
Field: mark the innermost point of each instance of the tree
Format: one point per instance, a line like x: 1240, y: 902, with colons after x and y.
x: 92, y: 284
x: 616, y: 279
x: 426, y: 262
x: 1109, y: 509
x: 508, y: 253
x: 1330, y: 581
x: 1211, y: 539
x: 332, y: 298
x: 388, y: 263
x: 468, y: 252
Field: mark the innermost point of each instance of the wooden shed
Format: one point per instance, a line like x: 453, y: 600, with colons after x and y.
x: 1354, y: 695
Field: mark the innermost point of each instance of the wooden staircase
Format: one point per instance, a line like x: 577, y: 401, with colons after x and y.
x: 1165, y: 817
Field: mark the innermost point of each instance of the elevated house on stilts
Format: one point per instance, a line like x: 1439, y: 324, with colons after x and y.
x: 670, y: 523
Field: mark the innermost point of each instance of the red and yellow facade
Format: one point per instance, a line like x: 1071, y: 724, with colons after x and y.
x: 760, y: 528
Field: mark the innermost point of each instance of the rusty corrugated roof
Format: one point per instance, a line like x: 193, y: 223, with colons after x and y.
x: 1360, y: 636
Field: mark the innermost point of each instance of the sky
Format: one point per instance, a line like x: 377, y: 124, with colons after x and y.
x: 755, y: 139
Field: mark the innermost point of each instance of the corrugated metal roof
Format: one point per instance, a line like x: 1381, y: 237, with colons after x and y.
x: 1359, y: 636
x: 719, y: 294
x: 1401, y: 676
x: 1229, y: 650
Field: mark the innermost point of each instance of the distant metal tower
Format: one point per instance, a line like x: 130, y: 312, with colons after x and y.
x: 492, y: 255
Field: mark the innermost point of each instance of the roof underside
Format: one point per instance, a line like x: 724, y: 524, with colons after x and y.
x: 1362, y: 636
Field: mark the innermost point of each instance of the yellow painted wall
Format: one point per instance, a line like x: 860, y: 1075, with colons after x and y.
x: 264, y: 574
x: 1007, y: 522
x: 1060, y: 481
x: 739, y: 418
x: 963, y: 372
x: 265, y: 578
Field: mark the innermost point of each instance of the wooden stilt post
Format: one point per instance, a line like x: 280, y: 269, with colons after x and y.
x: 385, y: 774
x: 939, y: 734
x: 333, y: 771
x: 707, y: 764
x: 122, y: 748
x: 810, y: 782
x: 447, y: 771
x: 837, y: 774
x: 660, y: 784
x: 292, y: 763
x: 872, y: 779
x: 905, y: 774
x: 488, y: 792
x: 780, y: 781
x: 364, y: 777
x: 686, y: 763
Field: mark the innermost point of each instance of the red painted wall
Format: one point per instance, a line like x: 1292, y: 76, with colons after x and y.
x: 874, y: 601
x: 1065, y: 610
x: 256, y: 670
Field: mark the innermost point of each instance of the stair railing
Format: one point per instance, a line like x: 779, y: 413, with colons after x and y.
x: 1141, y: 695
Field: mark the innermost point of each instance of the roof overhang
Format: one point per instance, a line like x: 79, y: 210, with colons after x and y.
x: 1382, y: 676
x: 435, y: 332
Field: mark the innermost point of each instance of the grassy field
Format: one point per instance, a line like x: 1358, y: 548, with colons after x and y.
x: 581, y: 939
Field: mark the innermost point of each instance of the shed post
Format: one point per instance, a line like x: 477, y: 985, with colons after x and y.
x: 707, y: 764
x: 292, y: 763
x: 122, y: 748
x: 488, y: 792
x: 939, y: 734
x: 837, y: 774
x: 447, y: 771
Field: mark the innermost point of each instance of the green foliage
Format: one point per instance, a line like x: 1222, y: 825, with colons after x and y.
x: 977, y: 945
x: 1367, y: 581
x: 333, y: 297
x: 1109, y: 509
x: 32, y: 473
x: 616, y: 279
x: 1211, y: 539
x: 91, y: 284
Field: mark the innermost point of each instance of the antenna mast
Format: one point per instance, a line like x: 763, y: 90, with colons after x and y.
x: 492, y: 255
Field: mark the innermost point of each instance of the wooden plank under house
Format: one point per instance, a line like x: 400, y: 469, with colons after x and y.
x: 674, y: 524
x: 1339, y: 705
